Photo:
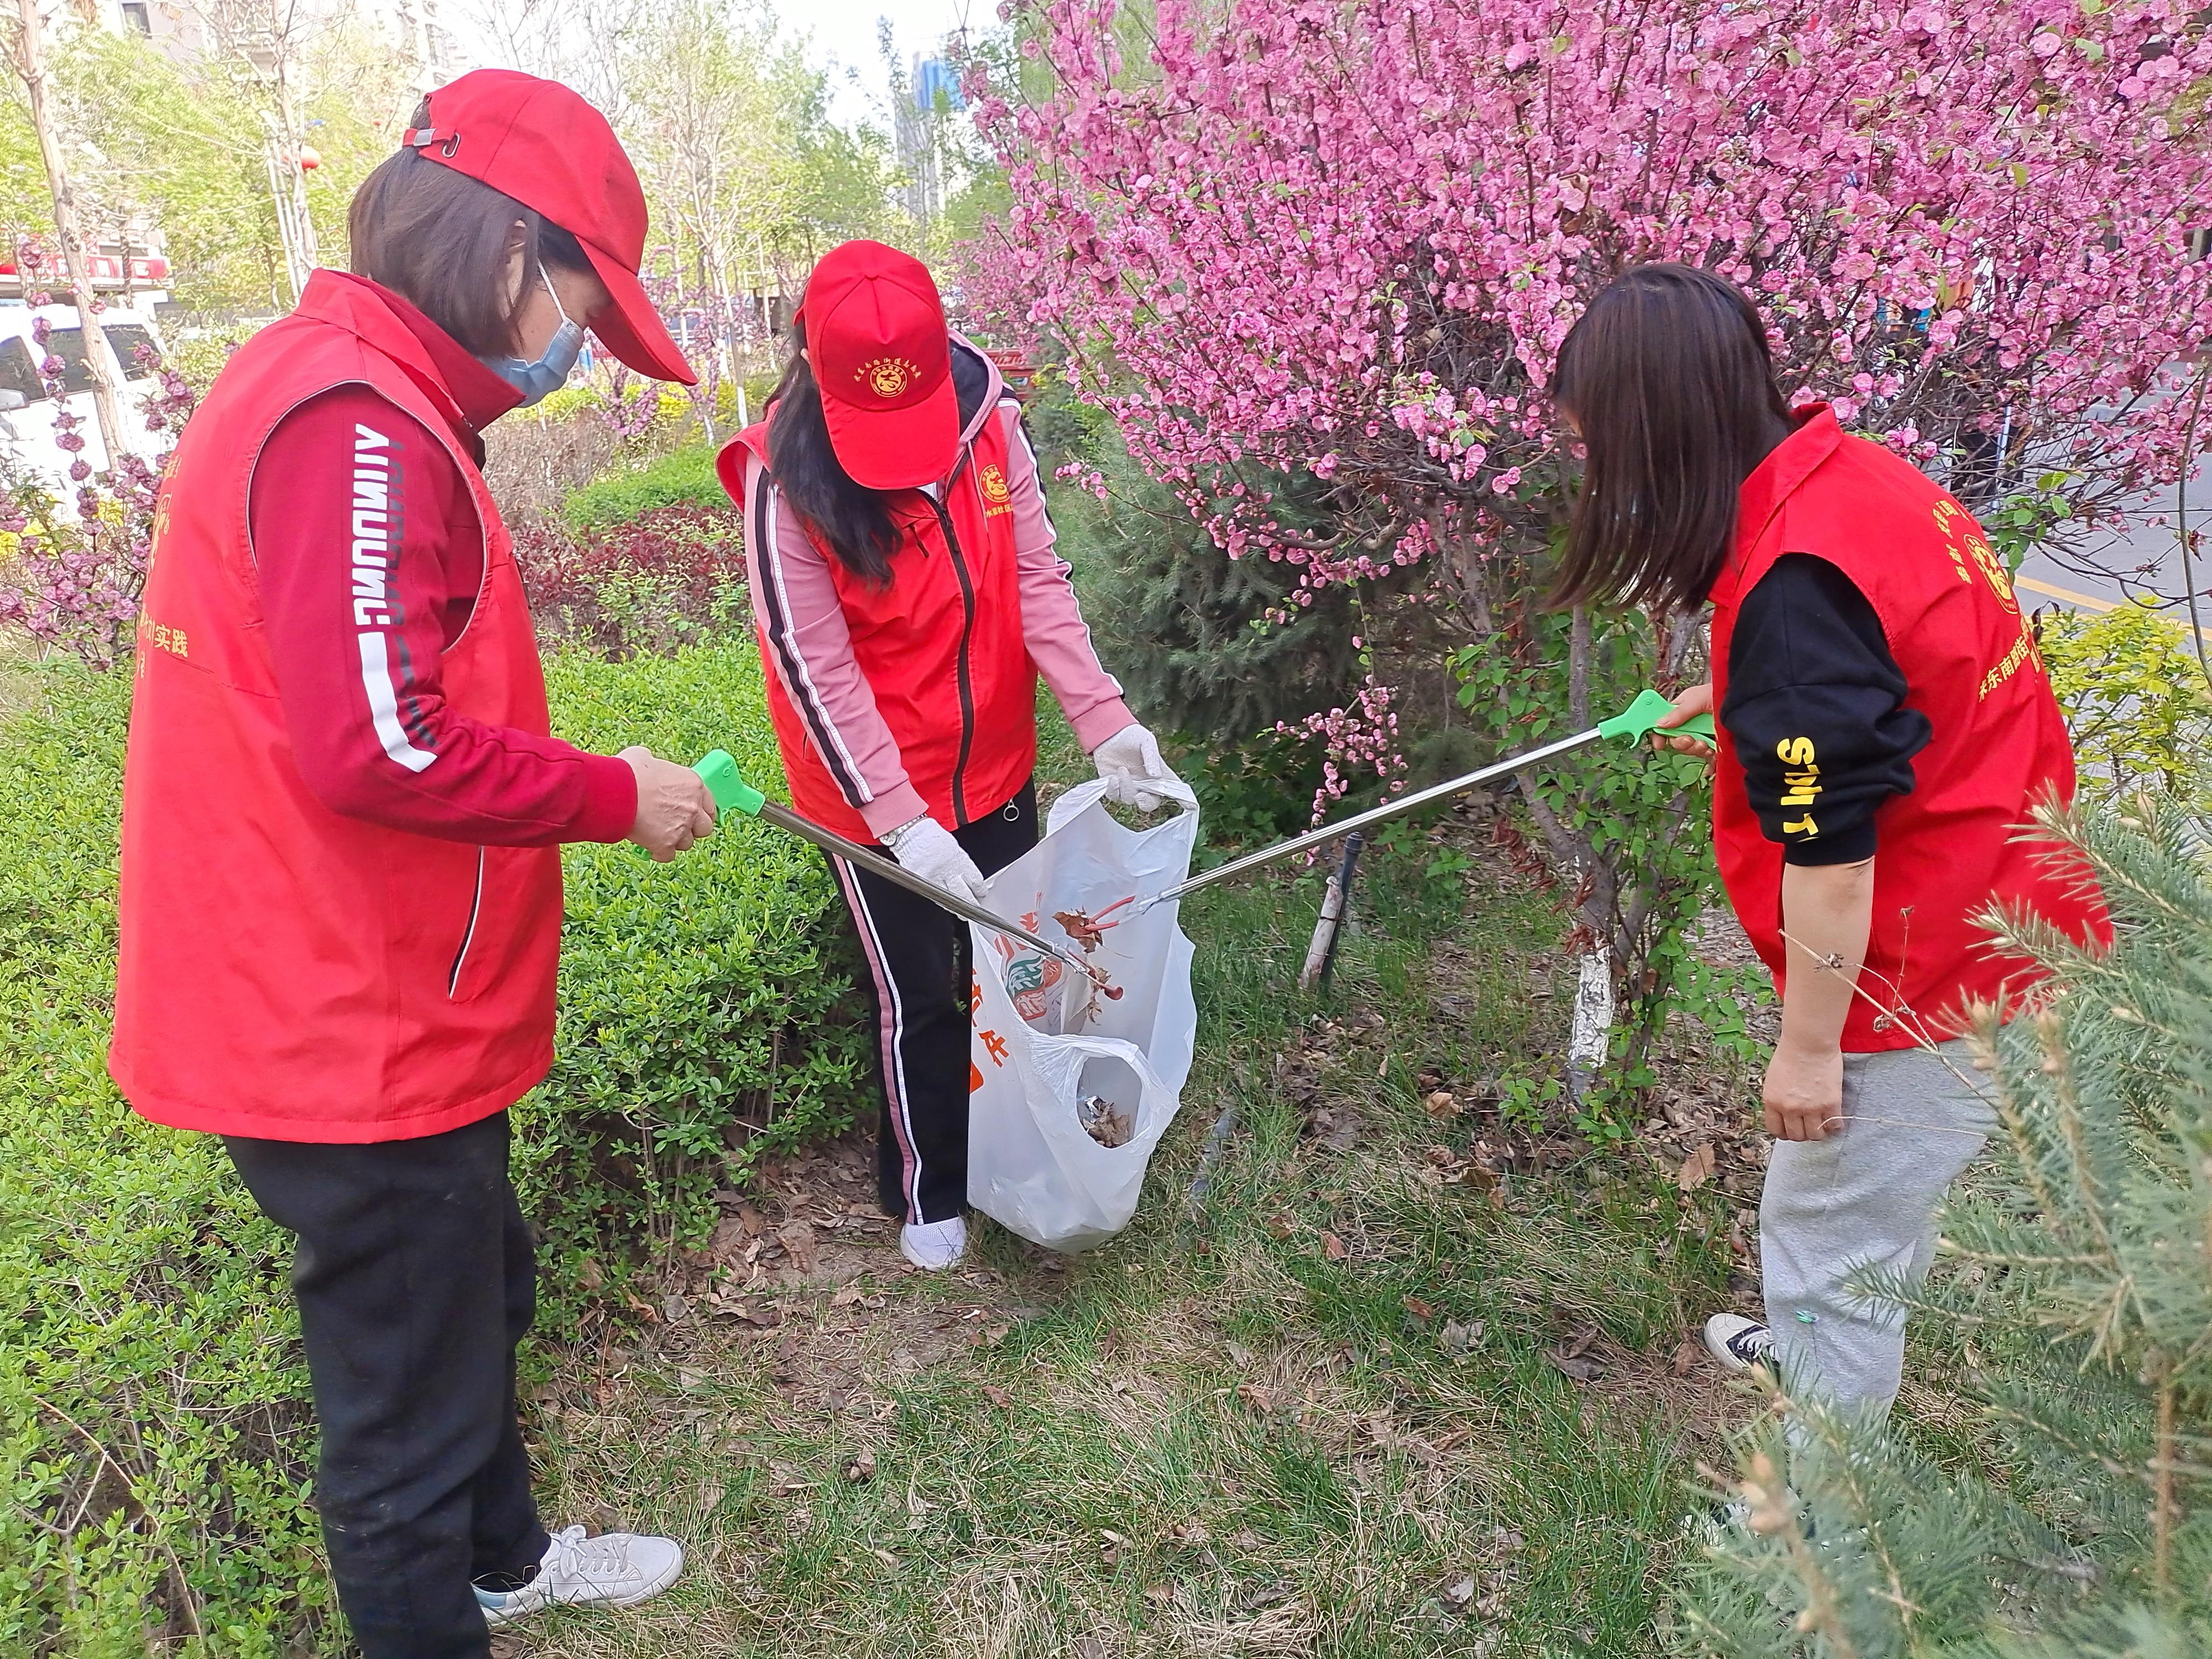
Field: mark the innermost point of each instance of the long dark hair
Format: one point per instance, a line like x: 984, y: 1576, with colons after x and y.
x: 856, y: 521
x: 1668, y: 376
x: 440, y: 240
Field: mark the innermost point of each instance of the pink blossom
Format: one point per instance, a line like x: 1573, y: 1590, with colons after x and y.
x: 1377, y: 221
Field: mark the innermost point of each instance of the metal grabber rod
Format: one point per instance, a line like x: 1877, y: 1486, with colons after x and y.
x: 731, y: 792
x: 1633, y: 724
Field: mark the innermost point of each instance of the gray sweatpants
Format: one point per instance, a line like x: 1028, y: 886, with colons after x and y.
x: 1864, y: 1198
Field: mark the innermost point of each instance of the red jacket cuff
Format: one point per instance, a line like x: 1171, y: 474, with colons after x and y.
x: 610, y: 800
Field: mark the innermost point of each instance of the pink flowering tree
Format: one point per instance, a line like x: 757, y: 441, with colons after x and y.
x: 71, y: 579
x: 1278, y: 237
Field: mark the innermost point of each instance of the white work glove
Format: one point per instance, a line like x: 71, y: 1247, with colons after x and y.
x: 1127, y: 761
x: 927, y: 847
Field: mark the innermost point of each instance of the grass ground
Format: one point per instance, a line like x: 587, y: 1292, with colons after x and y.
x: 1407, y: 1378
x: 1383, y: 1388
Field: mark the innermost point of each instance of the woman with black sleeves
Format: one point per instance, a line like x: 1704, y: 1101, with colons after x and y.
x: 1885, y: 727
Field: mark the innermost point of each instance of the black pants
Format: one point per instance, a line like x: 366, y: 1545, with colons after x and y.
x: 416, y: 1281
x: 919, y: 973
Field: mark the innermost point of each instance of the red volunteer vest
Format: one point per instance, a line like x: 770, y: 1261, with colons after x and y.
x: 1970, y: 663
x: 941, y: 646
x: 286, y: 972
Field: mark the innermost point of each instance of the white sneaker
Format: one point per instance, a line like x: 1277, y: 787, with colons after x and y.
x: 935, y: 1245
x: 615, y: 1570
x: 1739, y: 1343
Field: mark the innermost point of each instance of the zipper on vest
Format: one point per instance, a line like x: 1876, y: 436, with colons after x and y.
x: 468, y: 934
x: 961, y: 673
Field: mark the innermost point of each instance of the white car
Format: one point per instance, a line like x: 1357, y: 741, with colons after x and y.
x: 27, y: 407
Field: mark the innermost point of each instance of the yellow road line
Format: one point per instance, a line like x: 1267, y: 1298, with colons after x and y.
x: 2088, y: 602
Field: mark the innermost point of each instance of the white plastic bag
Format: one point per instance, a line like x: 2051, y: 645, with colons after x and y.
x: 1042, y: 1042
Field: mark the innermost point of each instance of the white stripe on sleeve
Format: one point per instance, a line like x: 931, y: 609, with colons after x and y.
x: 383, y: 705
x: 787, y: 637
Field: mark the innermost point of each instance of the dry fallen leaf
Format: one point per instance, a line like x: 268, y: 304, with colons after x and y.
x: 797, y: 1238
x: 753, y: 1313
x: 1109, y: 1547
x: 1579, y: 1366
x: 1332, y: 1247
x: 1418, y: 1308
x: 861, y: 1466
x: 1686, y: 1355
x: 1697, y: 1168
x: 729, y: 1238
x: 1441, y: 1104
x: 847, y: 1295
x: 998, y: 1397
x: 1461, y: 1593
x: 1257, y: 1397
x: 1458, y: 1339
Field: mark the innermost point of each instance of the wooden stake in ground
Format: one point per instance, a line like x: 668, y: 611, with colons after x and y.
x: 31, y: 70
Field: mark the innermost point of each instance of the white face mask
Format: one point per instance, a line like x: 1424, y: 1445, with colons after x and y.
x: 537, y: 380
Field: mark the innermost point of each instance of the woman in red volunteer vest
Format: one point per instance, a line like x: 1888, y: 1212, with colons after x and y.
x: 1884, y: 727
x: 908, y: 596
x: 341, y: 880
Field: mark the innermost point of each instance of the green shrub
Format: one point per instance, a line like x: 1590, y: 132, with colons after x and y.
x: 1212, y: 648
x: 565, y: 402
x: 152, y: 1403
x: 682, y: 476
x: 155, y: 1441
x: 707, y: 1010
x: 2136, y: 701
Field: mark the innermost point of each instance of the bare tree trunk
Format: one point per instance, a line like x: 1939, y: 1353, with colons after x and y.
x: 1578, y: 667
x: 30, y: 67
x: 1592, y: 1035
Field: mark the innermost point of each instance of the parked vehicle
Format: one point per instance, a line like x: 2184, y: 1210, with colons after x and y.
x: 28, y: 406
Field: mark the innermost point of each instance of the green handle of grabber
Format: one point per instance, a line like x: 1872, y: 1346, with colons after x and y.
x: 1641, y: 719
x: 719, y: 769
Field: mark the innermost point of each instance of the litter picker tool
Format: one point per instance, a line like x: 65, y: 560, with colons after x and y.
x: 718, y: 770
x: 1633, y: 724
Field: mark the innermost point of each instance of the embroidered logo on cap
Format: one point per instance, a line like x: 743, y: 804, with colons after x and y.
x: 887, y: 377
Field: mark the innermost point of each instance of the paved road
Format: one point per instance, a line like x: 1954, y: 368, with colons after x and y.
x: 2142, y: 562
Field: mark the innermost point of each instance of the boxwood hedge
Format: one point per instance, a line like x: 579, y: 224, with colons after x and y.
x: 154, y: 1436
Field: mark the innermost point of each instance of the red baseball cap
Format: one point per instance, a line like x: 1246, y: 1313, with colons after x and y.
x: 881, y: 353
x: 543, y: 145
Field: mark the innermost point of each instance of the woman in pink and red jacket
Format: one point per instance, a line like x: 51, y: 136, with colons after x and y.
x: 908, y: 595
x: 342, y: 813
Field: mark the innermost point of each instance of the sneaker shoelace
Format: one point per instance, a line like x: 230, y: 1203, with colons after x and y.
x: 1751, y: 1346
x: 593, y: 1559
